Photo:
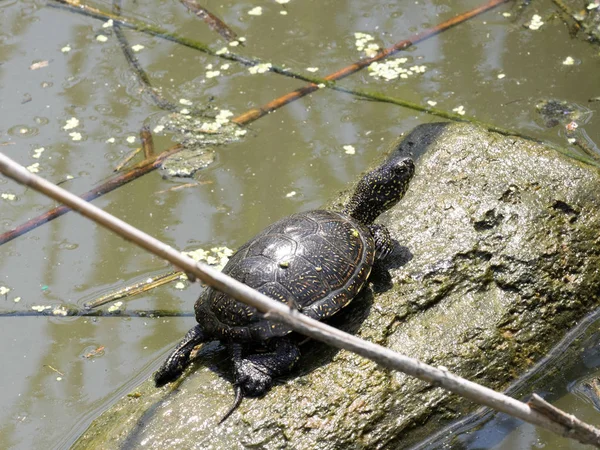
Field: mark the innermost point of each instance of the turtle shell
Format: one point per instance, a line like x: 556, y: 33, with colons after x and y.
x: 316, y: 261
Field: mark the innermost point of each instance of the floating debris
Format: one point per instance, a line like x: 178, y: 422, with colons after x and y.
x: 363, y: 43
x: 500, y: 76
x: 10, y: 198
x: 257, y: 11
x: 290, y: 194
x: 260, y: 68
x: 38, y: 65
x: 130, y: 139
x: 391, y: 69
x: 4, y: 290
x: 101, y: 38
x: 459, y: 110
x: 110, y: 140
x: 73, y: 122
x: 41, y: 308
x: 115, y: 307
x: 197, y: 135
x: 536, y: 22
x: 75, y: 136
x: 108, y: 24
x: 60, y: 311
x: 66, y: 49
x: 137, y: 48
x: 349, y: 149
x: 431, y: 102
x: 216, y: 256
x: 99, y: 351
x: 569, y: 61
x: 38, y: 152
x: 34, y: 168
x: 312, y: 69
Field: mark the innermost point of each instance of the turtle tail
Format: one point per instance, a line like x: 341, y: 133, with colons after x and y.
x: 239, y: 396
x: 179, y: 359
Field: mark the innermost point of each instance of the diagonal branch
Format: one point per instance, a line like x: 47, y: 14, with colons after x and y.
x: 113, y: 183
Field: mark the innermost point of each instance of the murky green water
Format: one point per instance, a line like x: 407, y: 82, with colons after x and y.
x: 297, y: 149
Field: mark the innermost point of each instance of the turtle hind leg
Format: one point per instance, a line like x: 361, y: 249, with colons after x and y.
x: 179, y: 359
x: 254, y: 373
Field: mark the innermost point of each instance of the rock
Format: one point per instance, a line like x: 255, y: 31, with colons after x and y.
x: 498, y: 258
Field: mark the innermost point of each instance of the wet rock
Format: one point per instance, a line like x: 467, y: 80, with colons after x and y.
x: 497, y: 258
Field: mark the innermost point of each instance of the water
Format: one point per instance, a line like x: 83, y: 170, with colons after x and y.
x: 297, y: 149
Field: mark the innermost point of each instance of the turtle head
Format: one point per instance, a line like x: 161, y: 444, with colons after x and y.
x: 380, y: 189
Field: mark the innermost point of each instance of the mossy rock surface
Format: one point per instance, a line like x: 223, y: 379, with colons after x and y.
x: 498, y: 257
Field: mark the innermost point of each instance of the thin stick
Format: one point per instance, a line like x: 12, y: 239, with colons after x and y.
x: 140, y: 73
x: 280, y: 312
x: 147, y: 142
x: 349, y: 70
x: 135, y: 289
x: 110, y: 185
x: 126, y: 159
x: 68, y: 311
x: 213, y: 22
x: 538, y: 404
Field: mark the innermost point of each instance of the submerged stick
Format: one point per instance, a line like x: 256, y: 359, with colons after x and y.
x: 240, y: 120
x: 280, y: 312
x: 213, y: 22
x: 256, y: 113
x: 134, y: 289
x: 137, y: 171
x: 68, y: 311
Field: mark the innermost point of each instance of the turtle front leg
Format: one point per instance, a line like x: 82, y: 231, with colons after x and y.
x: 254, y: 373
x: 383, y: 240
x: 179, y: 358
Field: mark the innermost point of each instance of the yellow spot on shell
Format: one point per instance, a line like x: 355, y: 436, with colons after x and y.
x: 354, y: 232
x: 284, y: 264
x: 318, y: 269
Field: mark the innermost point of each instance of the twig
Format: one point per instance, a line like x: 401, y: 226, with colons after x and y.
x: 137, y: 171
x: 140, y: 73
x: 54, y: 370
x: 147, y: 147
x: 134, y: 289
x: 279, y: 312
x: 349, y: 70
x: 572, y: 423
x: 147, y: 142
x: 68, y: 311
x: 213, y: 22
x: 126, y: 159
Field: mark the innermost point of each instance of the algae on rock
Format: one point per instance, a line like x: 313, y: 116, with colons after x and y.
x: 497, y: 259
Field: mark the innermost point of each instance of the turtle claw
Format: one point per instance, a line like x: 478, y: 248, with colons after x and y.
x: 239, y: 396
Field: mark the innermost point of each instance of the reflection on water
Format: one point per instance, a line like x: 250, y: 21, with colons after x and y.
x: 567, y: 377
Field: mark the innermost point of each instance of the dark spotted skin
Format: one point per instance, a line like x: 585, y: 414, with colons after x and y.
x: 316, y: 261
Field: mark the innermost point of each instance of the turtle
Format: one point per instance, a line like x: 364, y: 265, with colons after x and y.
x: 315, y: 261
